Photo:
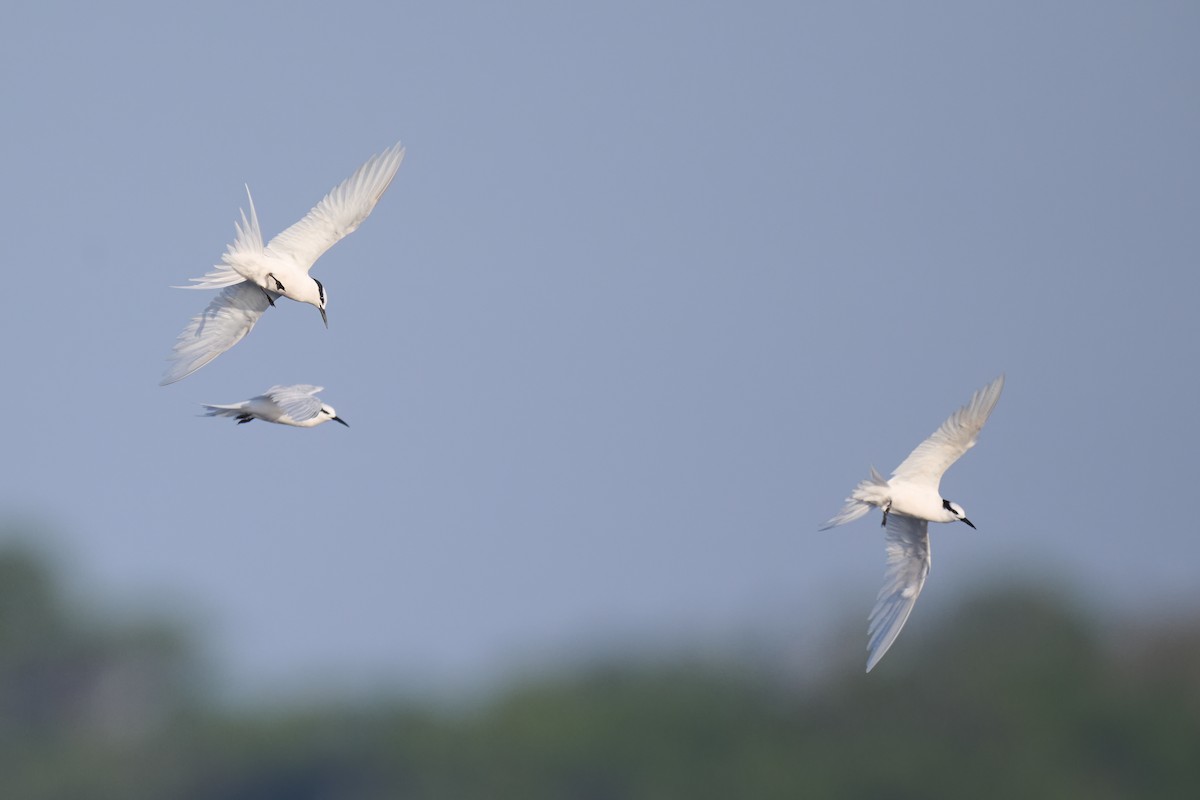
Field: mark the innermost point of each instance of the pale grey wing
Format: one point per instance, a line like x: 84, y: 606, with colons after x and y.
x: 932, y: 457
x: 228, y: 318
x: 296, y: 401
x: 341, y: 211
x: 908, y: 564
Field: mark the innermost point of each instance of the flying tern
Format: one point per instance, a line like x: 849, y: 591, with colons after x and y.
x: 910, y: 500
x: 252, y: 276
x: 287, y: 405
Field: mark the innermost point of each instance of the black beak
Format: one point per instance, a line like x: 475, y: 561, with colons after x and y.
x: 324, y: 318
x: 347, y: 424
x: 964, y: 519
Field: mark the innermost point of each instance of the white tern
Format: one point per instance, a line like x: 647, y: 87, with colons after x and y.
x: 252, y: 276
x: 287, y: 405
x: 910, y: 501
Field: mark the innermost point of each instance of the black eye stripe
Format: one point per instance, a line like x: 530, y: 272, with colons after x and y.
x: 946, y: 505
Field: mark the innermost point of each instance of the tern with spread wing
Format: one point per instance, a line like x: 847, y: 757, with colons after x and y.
x: 287, y: 405
x: 253, y: 276
x: 910, y: 500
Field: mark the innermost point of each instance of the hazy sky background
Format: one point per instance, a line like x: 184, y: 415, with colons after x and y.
x: 654, y: 287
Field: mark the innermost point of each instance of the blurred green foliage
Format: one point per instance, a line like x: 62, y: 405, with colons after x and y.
x: 1018, y: 696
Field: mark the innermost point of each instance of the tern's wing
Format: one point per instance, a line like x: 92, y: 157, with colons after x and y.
x: 908, y: 564
x: 228, y: 318
x: 957, y: 435
x: 296, y: 401
x: 341, y: 211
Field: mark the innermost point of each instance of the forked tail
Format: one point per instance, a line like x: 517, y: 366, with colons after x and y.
x: 246, y: 248
x: 872, y: 491
x: 231, y: 410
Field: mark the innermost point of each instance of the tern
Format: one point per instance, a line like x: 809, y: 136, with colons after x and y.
x: 910, y: 500
x: 287, y: 405
x: 252, y: 277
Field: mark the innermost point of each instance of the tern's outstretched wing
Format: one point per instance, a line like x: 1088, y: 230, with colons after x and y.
x: 933, y: 457
x: 908, y: 564
x: 228, y: 318
x: 296, y: 401
x: 341, y: 211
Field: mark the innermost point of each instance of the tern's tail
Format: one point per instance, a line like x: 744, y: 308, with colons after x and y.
x: 246, y: 248
x: 872, y: 491
x: 231, y: 410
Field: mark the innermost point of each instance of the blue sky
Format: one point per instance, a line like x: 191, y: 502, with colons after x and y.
x: 655, y: 285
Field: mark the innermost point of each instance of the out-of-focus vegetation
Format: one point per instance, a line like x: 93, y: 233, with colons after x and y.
x: 1020, y: 695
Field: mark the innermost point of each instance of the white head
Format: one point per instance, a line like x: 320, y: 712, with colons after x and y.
x: 957, y: 512
x: 312, y: 292
x: 328, y: 413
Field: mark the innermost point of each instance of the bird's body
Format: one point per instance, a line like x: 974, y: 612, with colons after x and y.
x: 286, y: 405
x: 910, y: 500
x: 273, y: 271
x: 253, y: 275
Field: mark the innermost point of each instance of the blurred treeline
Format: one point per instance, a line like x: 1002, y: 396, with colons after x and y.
x: 1019, y: 695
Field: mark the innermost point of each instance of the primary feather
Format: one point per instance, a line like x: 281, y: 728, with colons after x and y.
x: 908, y: 563
x: 932, y: 457
x: 340, y: 212
x: 296, y: 401
x: 220, y: 326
